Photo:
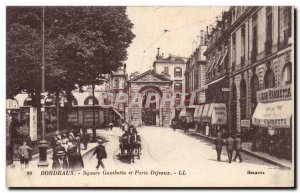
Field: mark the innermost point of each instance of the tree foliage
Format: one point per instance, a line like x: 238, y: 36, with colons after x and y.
x: 81, y: 44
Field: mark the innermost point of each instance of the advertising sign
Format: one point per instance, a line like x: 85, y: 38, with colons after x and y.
x: 33, y: 123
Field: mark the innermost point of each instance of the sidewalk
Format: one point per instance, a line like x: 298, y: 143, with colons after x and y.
x: 246, y: 148
x: 35, y: 158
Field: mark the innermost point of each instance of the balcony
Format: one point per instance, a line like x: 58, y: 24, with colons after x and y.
x: 242, y: 61
x: 253, y: 55
x: 268, y: 47
x: 286, y: 37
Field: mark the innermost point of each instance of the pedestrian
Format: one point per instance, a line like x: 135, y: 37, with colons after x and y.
x: 24, y: 152
x: 58, y: 148
x: 230, y: 147
x: 174, y: 124
x: 185, y: 125
x: 219, y: 144
x: 238, y: 147
x: 60, y: 162
x: 77, y: 141
x: 85, y: 139
x: 64, y: 141
x: 100, y: 154
x: 207, y: 129
x: 53, y: 143
x: 75, y: 159
x: 111, y: 125
x: 71, y: 138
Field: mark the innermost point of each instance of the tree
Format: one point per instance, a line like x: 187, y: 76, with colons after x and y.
x: 81, y: 44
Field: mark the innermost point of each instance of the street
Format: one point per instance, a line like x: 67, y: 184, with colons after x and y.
x: 168, y: 155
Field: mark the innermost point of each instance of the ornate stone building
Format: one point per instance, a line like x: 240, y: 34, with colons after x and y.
x: 261, y: 57
x: 146, y: 84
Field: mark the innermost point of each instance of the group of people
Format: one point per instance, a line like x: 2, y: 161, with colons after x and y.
x: 66, y: 150
x: 233, y: 143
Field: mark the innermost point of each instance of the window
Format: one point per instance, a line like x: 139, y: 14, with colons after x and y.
x: 166, y: 70
x: 196, y: 79
x: 89, y: 101
x: 254, y: 38
x: 178, y: 71
x: 287, y: 73
x: 268, y: 43
x: 117, y: 83
x: 285, y: 25
x: 233, y: 47
x: 269, y: 79
x: 243, y: 40
x: 178, y: 87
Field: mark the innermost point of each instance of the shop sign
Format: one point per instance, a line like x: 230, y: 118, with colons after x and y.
x: 73, y: 117
x: 33, y: 124
x: 225, y: 89
x: 88, y: 118
x: 245, y: 123
x: 275, y: 94
x: 219, y: 114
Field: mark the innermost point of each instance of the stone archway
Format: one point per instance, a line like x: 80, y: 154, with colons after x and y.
x: 149, y: 83
x: 151, y: 111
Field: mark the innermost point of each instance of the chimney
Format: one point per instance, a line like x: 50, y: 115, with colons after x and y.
x: 157, y: 56
x: 162, y: 55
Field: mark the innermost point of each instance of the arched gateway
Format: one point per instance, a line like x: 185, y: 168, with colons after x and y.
x: 152, y: 86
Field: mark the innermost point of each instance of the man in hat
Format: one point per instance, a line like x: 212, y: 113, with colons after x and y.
x: 238, y: 147
x: 230, y: 147
x: 60, y: 162
x: 58, y: 148
x: 219, y: 144
x: 101, y: 154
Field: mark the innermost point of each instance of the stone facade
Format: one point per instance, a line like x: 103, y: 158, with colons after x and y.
x: 267, y: 47
x: 149, y: 81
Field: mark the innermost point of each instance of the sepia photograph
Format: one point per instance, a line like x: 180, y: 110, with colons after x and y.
x: 150, y: 96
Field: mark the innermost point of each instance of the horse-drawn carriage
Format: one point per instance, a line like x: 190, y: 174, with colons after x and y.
x: 130, y: 145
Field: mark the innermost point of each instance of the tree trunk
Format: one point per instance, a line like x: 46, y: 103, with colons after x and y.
x: 57, y: 111
x: 94, y: 129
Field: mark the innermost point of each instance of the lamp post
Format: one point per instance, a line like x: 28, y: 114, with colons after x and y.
x: 43, y: 143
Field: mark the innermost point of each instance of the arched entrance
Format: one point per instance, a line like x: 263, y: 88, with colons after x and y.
x: 151, y: 96
x: 233, y: 103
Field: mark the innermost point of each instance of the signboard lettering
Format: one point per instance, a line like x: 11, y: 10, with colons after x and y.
x: 275, y: 94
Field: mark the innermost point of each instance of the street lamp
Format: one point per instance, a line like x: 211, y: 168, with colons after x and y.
x: 43, y: 162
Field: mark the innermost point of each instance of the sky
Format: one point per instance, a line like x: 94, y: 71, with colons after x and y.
x: 183, y: 25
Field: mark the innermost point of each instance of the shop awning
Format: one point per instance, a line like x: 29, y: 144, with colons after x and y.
x: 204, y: 117
x: 273, y: 115
x: 214, y: 113
x: 215, y: 81
x: 182, y: 112
x: 198, y: 112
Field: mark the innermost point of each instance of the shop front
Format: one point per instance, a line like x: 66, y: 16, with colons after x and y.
x: 213, y: 118
x: 272, y: 120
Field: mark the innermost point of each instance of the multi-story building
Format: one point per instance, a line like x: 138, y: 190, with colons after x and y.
x: 173, y: 67
x: 261, y: 77
x: 81, y: 113
x: 195, y: 78
x: 118, y: 85
x: 213, y: 113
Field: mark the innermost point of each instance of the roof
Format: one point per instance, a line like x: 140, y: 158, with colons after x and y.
x: 150, y: 72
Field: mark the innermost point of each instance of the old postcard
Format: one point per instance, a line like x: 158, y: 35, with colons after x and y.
x: 103, y: 96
